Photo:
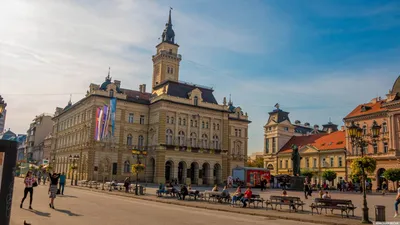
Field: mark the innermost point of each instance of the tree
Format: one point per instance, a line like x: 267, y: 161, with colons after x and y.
x: 307, y: 173
x: 368, y: 163
x: 329, y: 175
x: 259, y: 162
x: 392, y: 175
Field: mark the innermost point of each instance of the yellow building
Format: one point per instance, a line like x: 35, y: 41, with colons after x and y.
x: 187, y: 134
x: 320, y: 149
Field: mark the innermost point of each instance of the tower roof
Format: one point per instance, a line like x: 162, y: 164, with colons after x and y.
x: 396, y: 86
x: 168, y: 34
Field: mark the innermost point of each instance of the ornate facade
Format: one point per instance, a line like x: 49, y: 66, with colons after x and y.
x: 386, y: 112
x: 188, y: 135
x: 320, y: 149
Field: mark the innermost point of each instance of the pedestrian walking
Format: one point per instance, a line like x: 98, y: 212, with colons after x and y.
x: 44, y: 178
x: 62, y: 182
x: 53, y: 188
x: 306, y: 190
x: 384, y: 187
x: 396, y: 204
x: 127, y: 183
x: 29, y: 182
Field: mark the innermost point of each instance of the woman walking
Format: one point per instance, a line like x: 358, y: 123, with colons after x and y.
x: 53, y: 188
x: 29, y: 183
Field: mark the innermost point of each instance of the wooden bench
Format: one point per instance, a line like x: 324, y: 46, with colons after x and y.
x: 293, y: 202
x: 193, y: 194
x: 256, y: 200
x: 344, y: 205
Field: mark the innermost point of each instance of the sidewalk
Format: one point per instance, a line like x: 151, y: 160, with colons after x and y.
x: 299, y: 216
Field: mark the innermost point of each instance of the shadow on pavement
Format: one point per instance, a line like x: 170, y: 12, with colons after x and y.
x: 39, y: 213
x: 69, y: 213
x: 66, y: 196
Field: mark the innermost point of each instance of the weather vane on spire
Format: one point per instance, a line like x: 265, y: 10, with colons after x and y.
x: 108, y: 76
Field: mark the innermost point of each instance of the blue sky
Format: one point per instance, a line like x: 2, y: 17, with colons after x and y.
x: 318, y: 59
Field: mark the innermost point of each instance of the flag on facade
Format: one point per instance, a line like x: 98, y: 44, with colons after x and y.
x: 113, y: 105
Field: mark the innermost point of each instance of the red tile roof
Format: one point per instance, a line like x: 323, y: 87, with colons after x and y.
x: 370, y: 108
x: 335, y: 140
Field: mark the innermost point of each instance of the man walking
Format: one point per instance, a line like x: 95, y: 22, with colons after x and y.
x: 396, y: 204
x: 62, y: 183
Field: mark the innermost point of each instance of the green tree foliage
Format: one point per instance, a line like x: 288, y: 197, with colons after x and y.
x: 368, y: 163
x: 307, y: 173
x: 259, y: 163
x: 329, y: 175
x: 392, y: 175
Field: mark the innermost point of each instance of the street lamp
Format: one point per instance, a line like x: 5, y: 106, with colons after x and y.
x: 2, y: 106
x: 138, y: 153
x: 358, y: 140
x: 73, y: 159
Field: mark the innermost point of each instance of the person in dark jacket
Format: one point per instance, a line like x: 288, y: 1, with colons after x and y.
x: 184, y: 191
x: 53, y: 188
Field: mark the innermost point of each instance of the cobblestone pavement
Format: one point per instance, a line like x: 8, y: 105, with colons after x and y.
x: 79, y: 206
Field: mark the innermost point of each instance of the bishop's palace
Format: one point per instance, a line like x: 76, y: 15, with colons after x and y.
x: 187, y: 134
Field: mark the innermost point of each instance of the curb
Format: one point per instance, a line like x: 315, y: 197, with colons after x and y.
x: 218, y: 209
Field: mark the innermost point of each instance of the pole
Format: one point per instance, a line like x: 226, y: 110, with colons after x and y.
x: 365, y: 216
x: 137, y: 177
x: 72, y: 178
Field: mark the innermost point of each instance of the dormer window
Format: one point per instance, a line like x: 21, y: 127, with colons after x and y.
x: 112, y: 93
x: 196, y: 100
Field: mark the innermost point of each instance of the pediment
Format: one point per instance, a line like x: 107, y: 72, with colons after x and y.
x: 307, y: 149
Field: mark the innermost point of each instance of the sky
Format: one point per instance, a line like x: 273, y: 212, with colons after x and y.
x: 317, y: 58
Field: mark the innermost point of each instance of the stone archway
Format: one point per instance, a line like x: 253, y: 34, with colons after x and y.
x: 270, y: 167
x: 380, y: 178
x: 194, y: 173
x: 217, y: 173
x: 206, y: 175
x: 182, y: 172
x: 169, y: 171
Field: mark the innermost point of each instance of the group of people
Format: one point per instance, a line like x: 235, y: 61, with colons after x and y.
x: 31, y: 182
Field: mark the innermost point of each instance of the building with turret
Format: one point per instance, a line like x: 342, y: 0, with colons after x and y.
x: 188, y: 135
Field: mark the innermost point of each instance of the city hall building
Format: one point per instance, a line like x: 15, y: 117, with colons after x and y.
x: 187, y: 134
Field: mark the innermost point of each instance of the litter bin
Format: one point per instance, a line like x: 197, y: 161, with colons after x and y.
x: 380, y: 213
x: 141, y: 190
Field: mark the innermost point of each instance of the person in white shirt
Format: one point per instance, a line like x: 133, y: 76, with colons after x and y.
x: 326, y: 195
x: 396, y: 204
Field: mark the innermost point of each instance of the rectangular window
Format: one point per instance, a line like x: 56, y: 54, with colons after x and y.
x: 314, y: 163
x: 307, y: 162
x: 286, y: 163
x: 331, y: 161
x: 375, y: 146
x: 114, y: 168
x: 130, y: 118
x: 236, y: 132
x: 365, y: 149
x: 385, y: 148
x: 280, y: 164
x: 141, y: 119
x: 273, y: 145
x: 267, y: 145
x: 286, y: 128
x: 340, y: 162
x: 240, y: 133
x: 323, y: 162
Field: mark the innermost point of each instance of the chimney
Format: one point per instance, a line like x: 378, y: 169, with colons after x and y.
x: 143, y: 88
x: 117, y: 83
x: 140, y: 88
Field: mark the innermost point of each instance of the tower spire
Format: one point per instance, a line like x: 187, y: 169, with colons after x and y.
x: 108, y: 76
x: 168, y: 34
x: 169, y: 18
x: 70, y: 100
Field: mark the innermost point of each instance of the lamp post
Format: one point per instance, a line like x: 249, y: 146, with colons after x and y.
x: 73, y: 159
x: 359, y: 140
x: 138, y: 153
x: 2, y: 106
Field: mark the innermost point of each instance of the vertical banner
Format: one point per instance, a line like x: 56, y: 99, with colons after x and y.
x: 96, y: 129
x: 113, y: 105
x: 104, y: 120
x: 99, y: 125
x: 107, y: 122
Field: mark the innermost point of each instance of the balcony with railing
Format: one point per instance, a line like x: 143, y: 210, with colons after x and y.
x: 200, y: 146
x: 391, y: 153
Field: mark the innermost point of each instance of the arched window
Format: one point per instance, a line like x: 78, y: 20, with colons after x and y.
x: 129, y: 140
x: 193, y: 138
x: 167, y: 119
x: 204, y: 141
x: 112, y: 93
x: 202, y: 124
x: 238, y: 148
x: 216, y: 142
x: 196, y: 100
x: 181, y: 138
x: 127, y: 167
x: 172, y: 119
x: 169, y: 137
x: 206, y: 125
x: 140, y: 141
x: 364, y: 130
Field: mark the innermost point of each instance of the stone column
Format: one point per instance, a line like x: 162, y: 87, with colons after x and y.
x: 160, y: 166
x: 196, y: 176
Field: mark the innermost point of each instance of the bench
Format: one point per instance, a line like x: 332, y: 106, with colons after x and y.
x: 256, y: 200
x: 193, y: 194
x: 344, y: 205
x: 166, y: 192
x: 293, y: 202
